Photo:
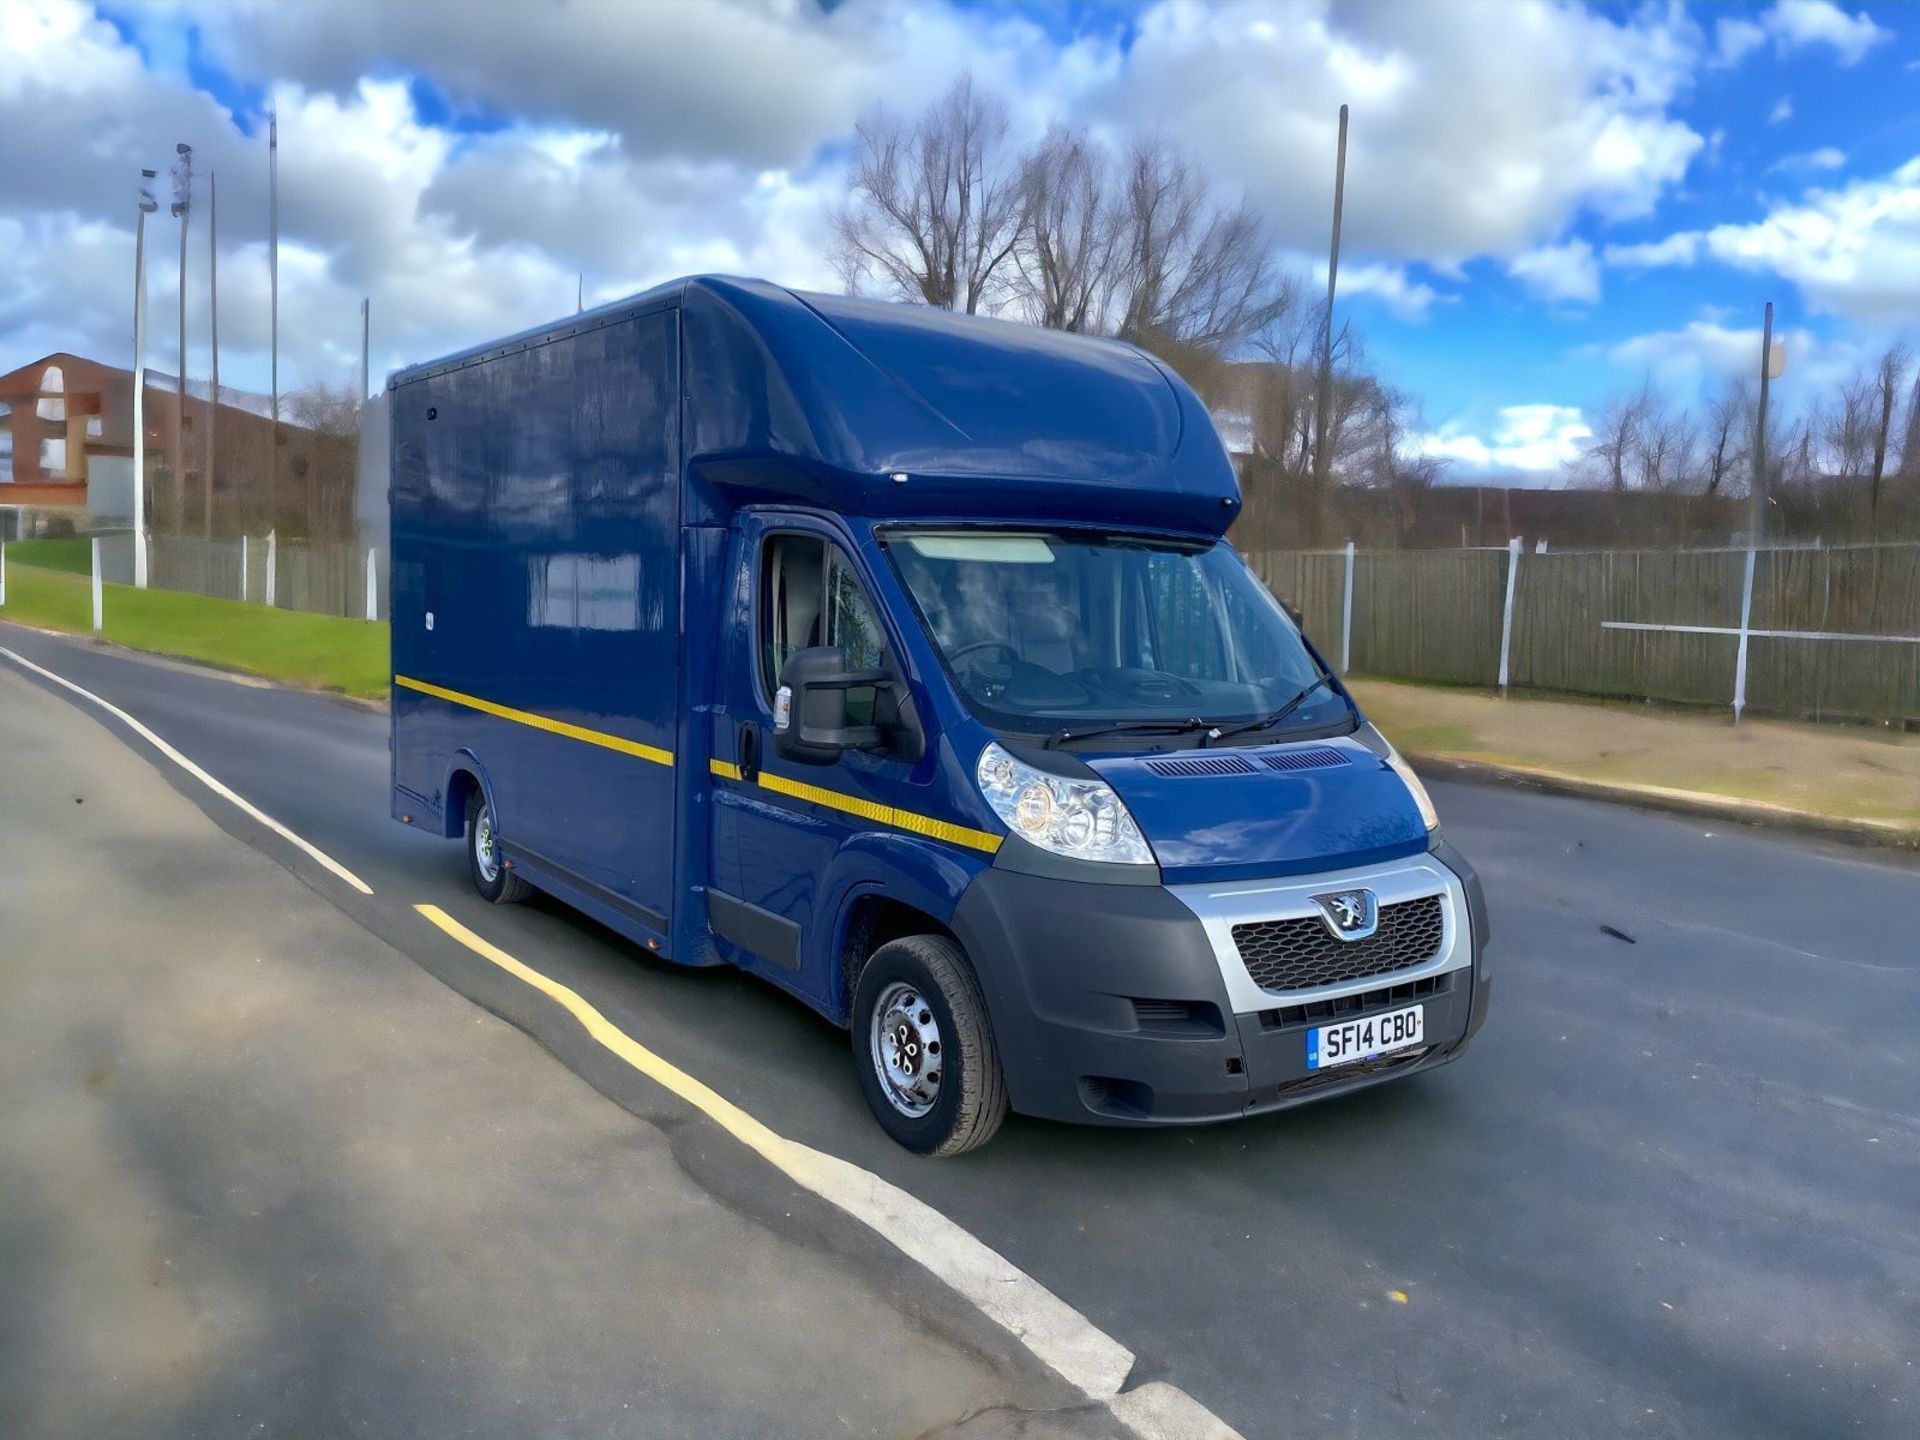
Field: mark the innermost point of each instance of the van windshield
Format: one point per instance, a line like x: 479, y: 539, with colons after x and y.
x: 1044, y: 631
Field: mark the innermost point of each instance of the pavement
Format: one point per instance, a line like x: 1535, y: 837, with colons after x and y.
x: 261, y: 1174
x: 1859, y: 781
x: 1669, y: 1193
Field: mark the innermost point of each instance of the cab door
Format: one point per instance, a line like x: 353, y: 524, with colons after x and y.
x: 778, y: 824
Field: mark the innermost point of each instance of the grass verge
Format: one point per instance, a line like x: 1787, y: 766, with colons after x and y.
x: 73, y: 554
x: 323, y: 652
x: 1843, y: 773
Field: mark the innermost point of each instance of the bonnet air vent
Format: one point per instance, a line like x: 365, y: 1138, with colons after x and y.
x: 1319, y: 758
x: 1201, y: 765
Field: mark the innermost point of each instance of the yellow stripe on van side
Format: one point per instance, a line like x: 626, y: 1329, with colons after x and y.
x: 541, y: 722
x: 866, y: 809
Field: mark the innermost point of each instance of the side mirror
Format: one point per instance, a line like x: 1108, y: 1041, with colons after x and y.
x: 810, y: 708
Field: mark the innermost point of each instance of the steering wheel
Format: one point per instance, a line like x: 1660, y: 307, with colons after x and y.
x: 954, y: 657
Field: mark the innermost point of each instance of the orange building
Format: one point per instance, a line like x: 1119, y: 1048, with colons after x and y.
x: 70, y: 421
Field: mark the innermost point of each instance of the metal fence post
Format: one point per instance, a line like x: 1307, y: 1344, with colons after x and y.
x: 3, y: 572
x: 1346, y: 617
x: 1740, y: 660
x: 1506, y: 618
x: 97, y: 617
x: 373, y: 589
x: 272, y: 545
x: 243, y: 569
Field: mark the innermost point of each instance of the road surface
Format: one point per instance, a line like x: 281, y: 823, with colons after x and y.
x: 1674, y: 1190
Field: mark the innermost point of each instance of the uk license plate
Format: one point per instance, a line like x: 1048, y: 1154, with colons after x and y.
x: 1352, y: 1040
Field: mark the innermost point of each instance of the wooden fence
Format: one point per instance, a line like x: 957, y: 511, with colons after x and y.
x: 1615, y: 622
x: 324, y: 577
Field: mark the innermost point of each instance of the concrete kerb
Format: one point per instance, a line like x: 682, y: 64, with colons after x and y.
x: 1853, y: 830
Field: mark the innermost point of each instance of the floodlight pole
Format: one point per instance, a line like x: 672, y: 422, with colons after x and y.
x: 1322, y: 462
x: 213, y: 301
x: 1757, y: 492
x: 182, y: 207
x: 273, y: 308
x: 146, y: 206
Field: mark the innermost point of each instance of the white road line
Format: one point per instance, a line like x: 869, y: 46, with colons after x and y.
x: 313, y: 851
x: 1057, y: 1334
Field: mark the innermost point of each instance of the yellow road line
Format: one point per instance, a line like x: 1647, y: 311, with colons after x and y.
x: 1054, y: 1331
x: 866, y: 809
x: 540, y: 722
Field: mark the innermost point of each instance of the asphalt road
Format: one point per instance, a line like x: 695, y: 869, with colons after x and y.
x: 1674, y: 1190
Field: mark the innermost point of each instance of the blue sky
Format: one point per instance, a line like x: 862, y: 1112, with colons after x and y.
x: 1547, y: 202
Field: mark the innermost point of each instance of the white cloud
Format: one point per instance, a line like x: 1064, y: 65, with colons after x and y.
x: 1782, y: 110
x: 1795, y: 24
x: 1566, y: 272
x: 1404, y: 297
x: 1476, y: 129
x: 1827, y: 157
x: 1852, y: 251
x: 637, y: 142
x: 1682, y: 248
x: 1689, y: 363
x: 1527, y: 439
x: 1735, y: 38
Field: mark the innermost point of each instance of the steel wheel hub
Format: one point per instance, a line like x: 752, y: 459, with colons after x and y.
x: 485, y: 857
x: 905, y: 1041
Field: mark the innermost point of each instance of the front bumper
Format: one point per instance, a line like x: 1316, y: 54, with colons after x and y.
x: 1111, y: 1004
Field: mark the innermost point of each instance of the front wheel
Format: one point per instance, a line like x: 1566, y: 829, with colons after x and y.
x: 491, y: 877
x: 924, y: 1048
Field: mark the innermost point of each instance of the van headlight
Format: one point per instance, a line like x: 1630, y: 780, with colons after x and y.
x: 1399, y: 766
x: 1081, y: 819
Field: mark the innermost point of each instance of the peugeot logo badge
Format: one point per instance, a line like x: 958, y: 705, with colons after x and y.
x: 1350, y: 914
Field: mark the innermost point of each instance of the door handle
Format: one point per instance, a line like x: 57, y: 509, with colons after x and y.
x: 749, y: 751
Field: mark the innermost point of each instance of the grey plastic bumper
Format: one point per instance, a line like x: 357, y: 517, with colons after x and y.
x: 1109, y: 1006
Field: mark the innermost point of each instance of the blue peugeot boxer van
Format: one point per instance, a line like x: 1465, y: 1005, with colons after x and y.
x: 897, y: 657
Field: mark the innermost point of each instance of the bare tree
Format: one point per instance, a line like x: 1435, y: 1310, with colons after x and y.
x: 936, y: 206
x: 1616, y: 441
x: 1282, y: 408
x: 1892, y: 371
x: 1064, y: 271
x: 1910, y: 447
x: 1665, y: 456
x: 1191, y: 272
x: 1730, y: 415
x: 1844, y: 429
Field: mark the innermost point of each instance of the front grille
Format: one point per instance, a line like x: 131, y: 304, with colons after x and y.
x: 1322, y: 1012
x: 1300, y: 953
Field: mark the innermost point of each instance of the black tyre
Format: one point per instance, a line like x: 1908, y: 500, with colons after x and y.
x: 491, y: 877
x: 924, y: 1047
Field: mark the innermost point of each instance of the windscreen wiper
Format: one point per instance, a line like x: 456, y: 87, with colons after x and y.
x: 1128, y: 727
x: 1267, y: 722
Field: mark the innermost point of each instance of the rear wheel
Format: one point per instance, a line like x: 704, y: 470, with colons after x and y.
x: 491, y: 877
x: 924, y: 1048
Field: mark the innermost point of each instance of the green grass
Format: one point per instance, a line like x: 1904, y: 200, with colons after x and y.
x: 321, y: 651
x: 73, y: 554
